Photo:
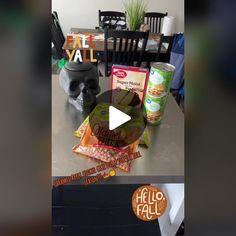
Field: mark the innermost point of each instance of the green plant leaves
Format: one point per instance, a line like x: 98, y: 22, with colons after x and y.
x: 135, y: 12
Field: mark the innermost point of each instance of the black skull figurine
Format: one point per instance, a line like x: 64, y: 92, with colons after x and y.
x: 81, y: 82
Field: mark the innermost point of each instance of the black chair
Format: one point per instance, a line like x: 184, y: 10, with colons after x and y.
x: 112, y: 19
x: 56, y: 15
x: 154, y: 19
x: 167, y: 42
x: 124, y: 50
x: 58, y: 37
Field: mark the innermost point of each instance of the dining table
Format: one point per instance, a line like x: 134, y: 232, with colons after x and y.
x: 161, y: 162
x: 150, y: 55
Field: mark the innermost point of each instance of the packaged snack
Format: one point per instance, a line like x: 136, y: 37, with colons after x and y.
x: 107, y: 154
x: 143, y: 140
x: 79, y: 132
x: 99, y: 142
x: 128, y: 78
x: 157, y: 93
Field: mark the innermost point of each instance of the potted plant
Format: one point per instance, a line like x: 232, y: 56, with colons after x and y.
x: 135, y: 12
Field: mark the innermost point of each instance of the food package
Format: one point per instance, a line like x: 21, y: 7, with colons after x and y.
x: 79, y: 132
x: 107, y: 148
x: 128, y: 78
x: 158, y: 87
x: 143, y: 140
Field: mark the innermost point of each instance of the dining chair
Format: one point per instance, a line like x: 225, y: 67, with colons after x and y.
x: 56, y: 15
x: 167, y: 42
x: 58, y: 37
x: 154, y: 19
x: 122, y: 48
x: 112, y: 19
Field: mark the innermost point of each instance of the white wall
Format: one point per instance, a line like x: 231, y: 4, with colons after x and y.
x: 171, y: 220
x: 84, y: 13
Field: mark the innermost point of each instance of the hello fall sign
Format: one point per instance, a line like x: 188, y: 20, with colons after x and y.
x: 80, y: 47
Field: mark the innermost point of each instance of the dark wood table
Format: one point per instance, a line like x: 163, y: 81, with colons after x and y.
x: 98, y: 210
x: 98, y: 40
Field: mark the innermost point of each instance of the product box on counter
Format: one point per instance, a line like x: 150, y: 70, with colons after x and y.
x: 128, y: 78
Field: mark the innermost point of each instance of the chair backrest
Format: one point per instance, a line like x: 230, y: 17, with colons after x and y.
x: 55, y: 15
x: 124, y: 49
x: 57, y: 25
x: 58, y: 37
x: 112, y: 19
x: 154, y: 19
x: 167, y: 40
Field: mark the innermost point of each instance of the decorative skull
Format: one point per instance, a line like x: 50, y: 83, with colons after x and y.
x: 81, y: 82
